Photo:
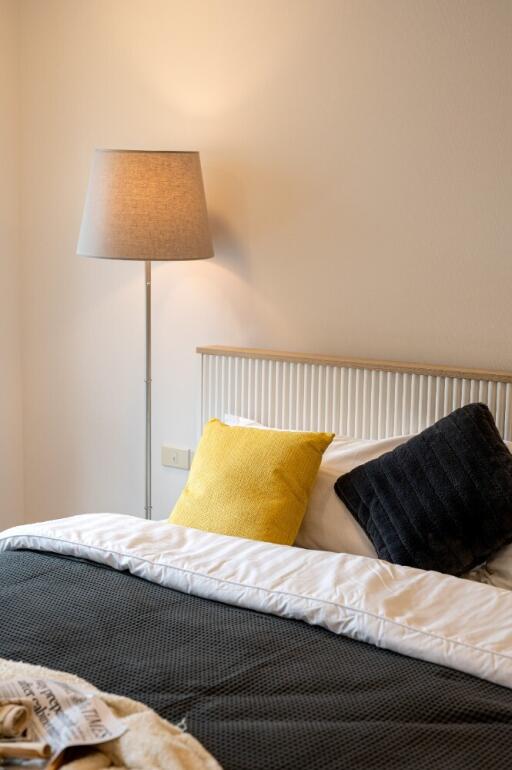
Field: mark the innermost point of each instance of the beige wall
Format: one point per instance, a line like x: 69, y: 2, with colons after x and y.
x: 358, y: 164
x: 11, y: 490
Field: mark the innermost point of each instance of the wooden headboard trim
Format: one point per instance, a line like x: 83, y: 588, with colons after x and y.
x: 431, y: 370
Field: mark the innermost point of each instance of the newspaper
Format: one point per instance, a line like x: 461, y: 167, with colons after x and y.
x: 63, y: 715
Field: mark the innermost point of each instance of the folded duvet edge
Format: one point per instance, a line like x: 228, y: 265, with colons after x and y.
x: 438, y: 618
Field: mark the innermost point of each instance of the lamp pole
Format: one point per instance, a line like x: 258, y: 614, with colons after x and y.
x: 148, y: 506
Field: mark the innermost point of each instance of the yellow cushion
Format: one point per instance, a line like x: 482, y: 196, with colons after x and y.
x: 251, y: 483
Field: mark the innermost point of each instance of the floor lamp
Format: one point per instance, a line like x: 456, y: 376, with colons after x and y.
x: 148, y: 206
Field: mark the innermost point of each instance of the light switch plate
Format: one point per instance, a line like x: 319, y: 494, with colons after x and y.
x: 176, y: 458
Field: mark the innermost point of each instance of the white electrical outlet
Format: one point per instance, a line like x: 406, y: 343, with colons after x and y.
x: 176, y: 458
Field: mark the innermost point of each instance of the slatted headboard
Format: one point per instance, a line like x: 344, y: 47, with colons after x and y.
x: 353, y: 397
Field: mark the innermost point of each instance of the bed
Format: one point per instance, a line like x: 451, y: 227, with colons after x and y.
x: 275, y: 656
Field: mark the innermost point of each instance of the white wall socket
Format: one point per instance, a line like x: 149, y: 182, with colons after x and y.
x: 176, y: 458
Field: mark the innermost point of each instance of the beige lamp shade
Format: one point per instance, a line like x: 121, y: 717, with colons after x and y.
x: 145, y: 205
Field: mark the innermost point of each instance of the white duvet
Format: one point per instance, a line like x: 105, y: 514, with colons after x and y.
x: 438, y: 618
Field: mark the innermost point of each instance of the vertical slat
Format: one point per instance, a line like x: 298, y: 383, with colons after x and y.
x: 349, y: 424
x: 337, y: 373
x: 473, y: 391
x: 213, y: 379
x: 263, y: 392
x: 205, y: 384
x: 437, y: 404
x: 210, y: 386
x: 446, y: 396
x: 257, y: 387
x: 343, y: 402
x: 228, y: 404
x: 270, y: 420
x: 225, y: 386
x: 292, y: 390
x: 243, y: 386
x: 250, y: 389
x: 236, y: 386
x: 379, y: 403
x: 489, y: 399
x: 356, y: 402
x: 365, y: 399
x: 373, y: 396
x: 298, y: 394
x: 316, y: 396
x: 265, y: 378
x: 506, y: 419
x: 410, y: 407
x: 464, y: 396
x: 306, y: 396
x: 389, y: 414
x: 396, y: 409
x: 218, y: 380
x: 499, y: 407
x: 430, y: 418
x: 327, y: 401
x: 282, y: 384
x: 456, y: 386
x: 421, y: 404
x: 404, y: 408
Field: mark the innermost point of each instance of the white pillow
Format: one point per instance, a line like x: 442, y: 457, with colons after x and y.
x: 328, y: 525
x: 498, y: 570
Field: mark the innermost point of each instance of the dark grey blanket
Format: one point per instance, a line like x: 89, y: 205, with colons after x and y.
x: 260, y: 692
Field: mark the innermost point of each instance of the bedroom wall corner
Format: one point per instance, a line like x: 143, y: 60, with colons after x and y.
x: 11, y: 457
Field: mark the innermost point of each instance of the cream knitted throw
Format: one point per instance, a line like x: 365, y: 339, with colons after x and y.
x: 150, y: 743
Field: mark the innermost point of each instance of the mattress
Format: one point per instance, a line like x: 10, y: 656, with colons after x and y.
x: 261, y: 692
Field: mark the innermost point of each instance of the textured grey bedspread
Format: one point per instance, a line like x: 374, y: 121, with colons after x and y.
x: 260, y: 692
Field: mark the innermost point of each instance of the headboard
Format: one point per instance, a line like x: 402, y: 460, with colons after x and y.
x: 354, y: 397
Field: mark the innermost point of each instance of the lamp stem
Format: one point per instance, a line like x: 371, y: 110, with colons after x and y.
x: 147, y: 508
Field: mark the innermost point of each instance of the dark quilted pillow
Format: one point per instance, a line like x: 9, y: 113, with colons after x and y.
x: 443, y: 500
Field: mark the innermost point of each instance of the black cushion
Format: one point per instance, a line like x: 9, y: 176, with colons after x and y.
x: 441, y: 501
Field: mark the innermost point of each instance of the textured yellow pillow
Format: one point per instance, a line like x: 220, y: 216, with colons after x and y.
x: 251, y: 483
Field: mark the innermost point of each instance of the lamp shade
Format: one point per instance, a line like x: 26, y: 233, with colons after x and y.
x: 145, y: 205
